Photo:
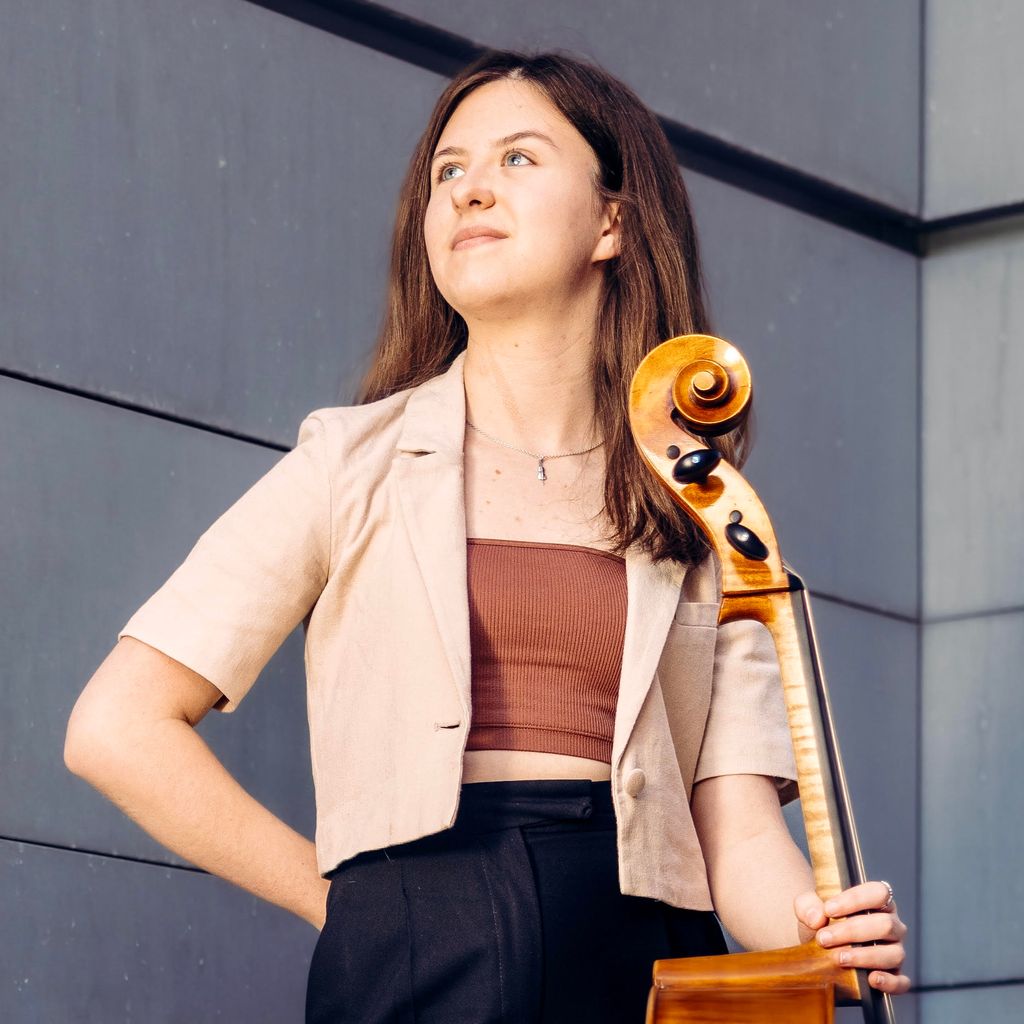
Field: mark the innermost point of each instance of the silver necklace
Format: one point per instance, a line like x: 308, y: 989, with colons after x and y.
x: 541, y: 459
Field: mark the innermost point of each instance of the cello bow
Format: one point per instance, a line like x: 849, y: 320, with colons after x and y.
x: 700, y: 384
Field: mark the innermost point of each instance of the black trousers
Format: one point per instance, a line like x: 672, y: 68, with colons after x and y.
x: 512, y: 916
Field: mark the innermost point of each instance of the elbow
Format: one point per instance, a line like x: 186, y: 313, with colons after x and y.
x: 89, y: 744
x: 77, y: 747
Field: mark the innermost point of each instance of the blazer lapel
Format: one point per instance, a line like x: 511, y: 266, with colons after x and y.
x: 652, y: 595
x: 429, y: 467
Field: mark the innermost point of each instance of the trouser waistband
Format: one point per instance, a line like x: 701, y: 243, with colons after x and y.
x: 486, y: 807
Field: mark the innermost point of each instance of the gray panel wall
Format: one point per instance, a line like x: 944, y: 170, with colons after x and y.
x: 98, y: 504
x: 200, y: 191
x: 198, y: 197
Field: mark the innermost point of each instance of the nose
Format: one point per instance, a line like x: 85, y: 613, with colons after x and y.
x: 472, y: 188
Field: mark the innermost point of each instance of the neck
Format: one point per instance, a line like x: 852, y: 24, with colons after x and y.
x: 530, y: 383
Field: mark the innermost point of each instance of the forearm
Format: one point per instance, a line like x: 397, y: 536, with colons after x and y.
x: 165, y: 777
x: 753, y: 885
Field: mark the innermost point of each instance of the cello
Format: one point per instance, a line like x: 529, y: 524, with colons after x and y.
x: 697, y: 384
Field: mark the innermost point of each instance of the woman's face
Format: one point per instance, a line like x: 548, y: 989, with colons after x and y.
x: 513, y: 215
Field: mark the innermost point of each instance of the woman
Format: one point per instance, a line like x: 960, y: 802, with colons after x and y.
x: 539, y: 765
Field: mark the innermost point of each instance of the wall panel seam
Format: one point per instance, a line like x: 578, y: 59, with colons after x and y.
x: 106, y: 855
x: 120, y: 403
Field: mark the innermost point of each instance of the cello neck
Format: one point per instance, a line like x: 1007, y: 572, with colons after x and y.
x: 824, y: 796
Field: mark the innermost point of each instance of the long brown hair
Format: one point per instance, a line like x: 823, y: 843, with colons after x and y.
x: 654, y: 288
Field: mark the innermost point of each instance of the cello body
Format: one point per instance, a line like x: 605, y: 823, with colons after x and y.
x: 687, y: 389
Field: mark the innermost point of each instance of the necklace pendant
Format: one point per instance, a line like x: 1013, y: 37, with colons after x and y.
x: 541, y: 475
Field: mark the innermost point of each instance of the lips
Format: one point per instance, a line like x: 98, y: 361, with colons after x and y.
x: 477, y: 235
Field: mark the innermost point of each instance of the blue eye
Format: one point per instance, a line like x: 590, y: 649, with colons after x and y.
x: 443, y: 174
x: 522, y: 156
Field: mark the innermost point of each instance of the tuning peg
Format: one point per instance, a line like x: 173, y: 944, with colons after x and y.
x: 745, y: 541
x: 695, y: 466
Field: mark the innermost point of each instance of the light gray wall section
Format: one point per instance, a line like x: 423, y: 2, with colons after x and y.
x: 828, y: 321
x: 90, y: 939
x: 974, y: 105
x: 906, y: 1012
x: 831, y: 88
x: 972, y: 805
x: 998, y: 1003
x: 972, y: 320
x: 202, y: 195
x: 98, y: 505
x: 973, y: 317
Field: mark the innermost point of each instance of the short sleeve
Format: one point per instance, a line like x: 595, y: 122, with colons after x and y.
x: 251, y: 578
x: 747, y: 731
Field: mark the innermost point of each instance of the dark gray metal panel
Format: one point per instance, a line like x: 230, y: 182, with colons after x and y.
x: 973, y: 378
x: 98, y: 505
x: 829, y: 88
x: 89, y: 939
x: 828, y: 321
x: 974, y: 102
x: 202, y: 195
x: 972, y: 802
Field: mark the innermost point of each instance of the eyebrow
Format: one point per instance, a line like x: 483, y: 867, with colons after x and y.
x: 506, y: 140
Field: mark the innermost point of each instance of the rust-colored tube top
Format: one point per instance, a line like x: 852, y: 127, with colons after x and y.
x: 547, y: 623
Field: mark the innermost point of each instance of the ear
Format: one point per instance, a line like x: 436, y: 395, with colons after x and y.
x: 611, y: 234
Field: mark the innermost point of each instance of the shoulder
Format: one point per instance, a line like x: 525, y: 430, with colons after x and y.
x: 367, y: 432
x: 428, y: 416
x: 357, y: 447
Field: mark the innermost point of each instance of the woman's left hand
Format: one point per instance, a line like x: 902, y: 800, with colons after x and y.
x: 880, y: 924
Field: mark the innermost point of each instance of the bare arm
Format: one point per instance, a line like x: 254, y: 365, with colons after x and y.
x: 754, y: 868
x: 132, y: 736
x: 763, y: 887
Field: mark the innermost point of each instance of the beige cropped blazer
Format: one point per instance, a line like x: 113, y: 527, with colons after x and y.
x: 359, y: 532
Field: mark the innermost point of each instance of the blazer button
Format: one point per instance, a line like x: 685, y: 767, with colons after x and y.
x: 635, y: 782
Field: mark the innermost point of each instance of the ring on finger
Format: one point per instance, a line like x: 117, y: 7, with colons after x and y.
x: 888, y: 903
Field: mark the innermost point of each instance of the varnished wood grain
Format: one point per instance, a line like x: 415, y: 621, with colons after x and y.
x: 812, y: 1005
x: 792, y: 969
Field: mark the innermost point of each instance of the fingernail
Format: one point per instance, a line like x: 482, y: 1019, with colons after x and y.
x: 830, y: 908
x: 844, y: 958
x: 825, y: 937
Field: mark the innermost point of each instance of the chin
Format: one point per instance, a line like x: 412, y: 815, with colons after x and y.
x: 487, y: 300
